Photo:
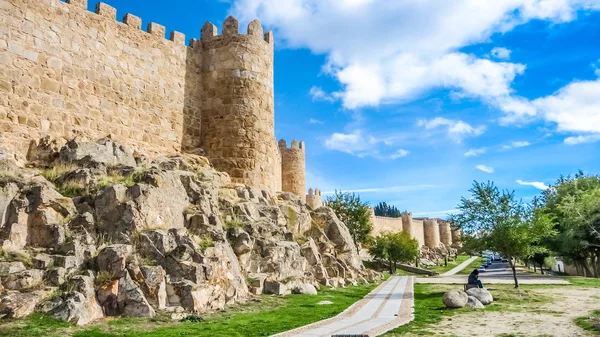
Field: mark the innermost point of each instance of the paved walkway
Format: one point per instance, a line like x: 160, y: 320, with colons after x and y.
x: 388, y: 306
x: 497, y: 273
x: 460, y: 267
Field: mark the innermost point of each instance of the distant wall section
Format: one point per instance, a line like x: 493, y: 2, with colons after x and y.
x: 293, y: 168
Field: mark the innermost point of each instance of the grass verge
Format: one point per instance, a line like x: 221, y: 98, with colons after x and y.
x: 590, y: 322
x: 473, y: 265
x: 451, y: 264
x: 268, y: 316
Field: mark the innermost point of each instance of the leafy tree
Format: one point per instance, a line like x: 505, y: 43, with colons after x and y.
x: 502, y: 223
x: 395, y: 247
x: 354, y: 213
x: 573, y: 205
x: 383, y: 209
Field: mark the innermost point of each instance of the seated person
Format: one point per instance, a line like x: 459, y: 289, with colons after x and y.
x: 474, y: 280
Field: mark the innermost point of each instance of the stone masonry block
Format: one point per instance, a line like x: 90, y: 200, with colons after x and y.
x: 269, y: 37
x: 230, y: 26
x: 156, y: 29
x: 106, y: 10
x: 177, y: 37
x: 133, y: 21
x: 78, y: 3
x: 208, y: 31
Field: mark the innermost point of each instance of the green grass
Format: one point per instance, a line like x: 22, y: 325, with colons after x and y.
x: 584, y: 282
x: 451, y: 264
x: 590, y: 322
x: 429, y: 309
x: 269, y: 316
x: 474, y: 265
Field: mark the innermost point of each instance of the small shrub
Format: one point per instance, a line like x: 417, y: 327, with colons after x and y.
x: 52, y: 174
x: 103, y: 279
x: 73, y: 188
x: 234, y: 223
x: 205, y: 242
x: 192, y: 319
x: 14, y: 256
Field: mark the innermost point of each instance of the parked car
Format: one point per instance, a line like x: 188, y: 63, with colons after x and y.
x: 481, y: 269
x: 504, y: 260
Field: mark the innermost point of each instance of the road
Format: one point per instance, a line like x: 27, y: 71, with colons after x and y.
x: 497, y: 273
x: 388, y: 306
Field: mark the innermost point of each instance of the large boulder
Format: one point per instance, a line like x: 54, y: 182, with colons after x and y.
x: 23, y: 280
x: 483, y: 295
x: 305, y: 289
x: 474, y: 303
x: 79, y: 306
x: 103, y: 152
x: 112, y: 259
x: 11, y: 267
x: 455, y: 299
x: 131, y: 299
x: 16, y: 304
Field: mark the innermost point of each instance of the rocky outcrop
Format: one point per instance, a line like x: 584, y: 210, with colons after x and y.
x: 133, y: 236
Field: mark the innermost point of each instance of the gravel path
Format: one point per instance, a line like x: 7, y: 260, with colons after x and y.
x: 377, y: 313
x: 459, y: 267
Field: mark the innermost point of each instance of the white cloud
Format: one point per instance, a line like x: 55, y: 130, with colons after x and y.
x: 436, y: 213
x: 501, y: 53
x: 375, y: 66
x: 475, y: 152
x: 456, y: 129
x: 536, y: 184
x: 582, y: 139
x: 485, y: 168
x: 399, y: 154
x: 318, y: 94
x: 315, y: 121
x: 516, y: 145
x: 361, y: 144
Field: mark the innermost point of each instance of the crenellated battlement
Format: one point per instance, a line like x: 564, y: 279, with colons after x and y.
x: 313, y: 198
x: 231, y: 28
x: 295, y: 145
x: 72, y: 72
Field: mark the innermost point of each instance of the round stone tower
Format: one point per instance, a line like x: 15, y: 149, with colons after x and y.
x: 407, y: 224
x: 445, y: 232
x: 431, y: 232
x: 237, y: 119
x: 293, y: 168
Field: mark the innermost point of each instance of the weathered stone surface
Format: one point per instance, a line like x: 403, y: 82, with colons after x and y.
x: 107, y: 296
x: 131, y: 299
x: 75, y: 308
x: 112, y: 259
x: 474, y: 303
x: 102, y: 152
x: 16, y: 304
x: 56, y: 276
x: 306, y: 289
x: 43, y: 261
x: 483, y: 295
x: 67, y: 262
x: 23, y: 280
x: 155, y: 287
x: 455, y: 299
x: 11, y: 267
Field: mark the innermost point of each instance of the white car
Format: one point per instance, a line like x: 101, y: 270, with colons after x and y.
x: 481, y: 269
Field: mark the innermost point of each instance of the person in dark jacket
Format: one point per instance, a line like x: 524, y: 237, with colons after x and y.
x: 474, y: 279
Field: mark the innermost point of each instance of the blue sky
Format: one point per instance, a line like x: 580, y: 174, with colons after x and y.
x: 409, y: 102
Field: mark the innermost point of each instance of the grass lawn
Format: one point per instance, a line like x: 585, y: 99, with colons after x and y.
x: 451, y: 264
x: 267, y: 316
x: 590, y: 322
x: 429, y: 309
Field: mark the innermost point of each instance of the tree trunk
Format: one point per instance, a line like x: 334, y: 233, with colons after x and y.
x: 391, y: 267
x: 514, y: 270
x: 394, y: 267
x: 534, y: 268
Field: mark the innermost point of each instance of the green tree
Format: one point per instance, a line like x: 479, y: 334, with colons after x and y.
x: 573, y: 205
x: 383, y: 209
x: 354, y: 213
x: 395, y: 247
x: 504, y: 225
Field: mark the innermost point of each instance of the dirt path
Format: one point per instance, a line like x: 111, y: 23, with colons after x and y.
x: 554, y: 319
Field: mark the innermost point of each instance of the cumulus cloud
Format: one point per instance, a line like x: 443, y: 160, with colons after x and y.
x: 362, y: 144
x: 375, y: 66
x: 516, y: 145
x: 536, y: 184
x: 318, y: 94
x: 582, y: 139
x: 456, y: 129
x: 475, y: 152
x: 484, y: 168
x: 315, y: 121
x: 500, y: 53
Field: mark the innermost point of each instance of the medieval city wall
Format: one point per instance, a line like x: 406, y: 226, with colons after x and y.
x: 313, y: 198
x: 66, y: 71
x: 405, y: 223
x: 385, y: 224
x: 419, y: 233
x: 293, y: 168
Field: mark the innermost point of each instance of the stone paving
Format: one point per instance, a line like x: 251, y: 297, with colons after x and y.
x: 377, y: 313
x: 460, y: 267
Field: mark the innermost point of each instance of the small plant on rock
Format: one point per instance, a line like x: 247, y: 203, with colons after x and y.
x: 103, y: 279
x: 205, y: 242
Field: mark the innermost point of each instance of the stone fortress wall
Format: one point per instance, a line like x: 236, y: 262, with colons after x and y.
x: 66, y: 71
x: 428, y: 232
x: 313, y: 198
x: 293, y: 168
